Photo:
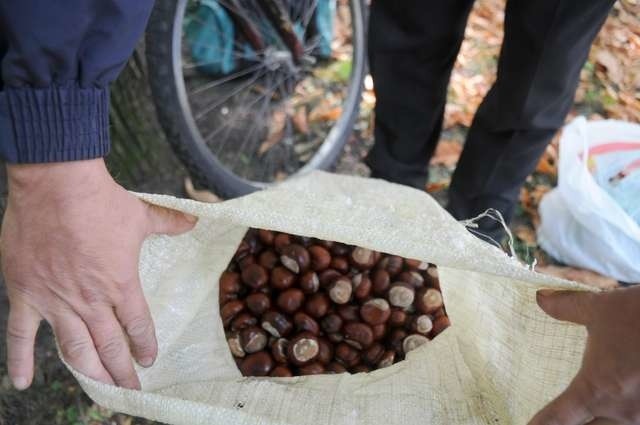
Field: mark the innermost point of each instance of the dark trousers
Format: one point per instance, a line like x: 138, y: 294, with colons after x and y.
x: 413, y: 45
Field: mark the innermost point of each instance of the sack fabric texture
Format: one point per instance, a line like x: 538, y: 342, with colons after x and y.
x: 500, y: 361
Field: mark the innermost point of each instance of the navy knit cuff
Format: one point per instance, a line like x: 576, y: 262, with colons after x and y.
x: 53, y: 124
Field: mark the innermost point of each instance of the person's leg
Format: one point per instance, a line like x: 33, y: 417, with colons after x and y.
x: 546, y: 43
x: 413, y: 45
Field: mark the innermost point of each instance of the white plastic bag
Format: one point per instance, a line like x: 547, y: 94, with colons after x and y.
x: 581, y: 223
x: 500, y: 361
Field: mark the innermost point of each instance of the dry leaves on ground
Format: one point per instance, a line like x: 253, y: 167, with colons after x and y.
x: 447, y: 153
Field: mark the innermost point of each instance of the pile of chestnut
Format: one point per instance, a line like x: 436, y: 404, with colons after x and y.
x: 294, y: 305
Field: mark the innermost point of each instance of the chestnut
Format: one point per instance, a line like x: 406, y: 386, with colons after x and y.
x: 230, y: 283
x: 279, y: 350
x: 413, y: 341
x: 422, y: 324
x: 253, y: 339
x: 413, y: 278
x: 440, y: 324
x: 280, y: 241
x: 401, y: 295
x: 257, y: 364
x: 432, y: 277
x: 303, y: 322
x: 361, y: 368
x: 361, y: 286
x: 281, y: 278
x: 339, y: 249
x: 243, y: 320
x: 328, y: 276
x: 325, y: 353
x: 387, y: 359
x: 347, y: 355
x: 309, y: 282
x: 341, y: 264
x: 303, y: 349
x: 362, y: 258
x: 392, y: 264
x: 258, y: 303
x: 241, y: 251
x: 335, y: 337
x: 331, y: 323
x: 317, y: 305
x: 348, y: 312
x: 340, y: 290
x: 255, y: 276
x: 357, y: 334
x: 268, y: 260
x: 290, y: 300
x: 311, y: 369
x: 395, y: 339
x: 429, y: 301
x: 375, y: 311
x: 335, y: 367
x: 246, y: 261
x: 320, y: 258
x: 266, y: 236
x: 230, y: 310
x: 380, y: 282
x: 235, y: 346
x: 281, y: 371
x: 415, y: 264
x: 373, y: 354
x: 398, y: 318
x: 276, y: 323
x: 379, y: 331
x: 295, y: 257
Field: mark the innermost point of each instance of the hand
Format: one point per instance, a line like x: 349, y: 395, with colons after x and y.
x: 70, y: 247
x: 606, y: 390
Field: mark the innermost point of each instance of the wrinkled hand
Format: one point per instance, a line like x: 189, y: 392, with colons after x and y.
x: 606, y: 390
x: 70, y: 245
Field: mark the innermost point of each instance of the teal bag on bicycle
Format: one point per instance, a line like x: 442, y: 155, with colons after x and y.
x: 211, y: 34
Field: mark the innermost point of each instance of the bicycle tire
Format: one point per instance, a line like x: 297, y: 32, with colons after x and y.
x: 163, y: 38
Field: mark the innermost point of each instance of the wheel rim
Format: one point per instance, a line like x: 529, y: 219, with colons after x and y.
x: 274, y: 67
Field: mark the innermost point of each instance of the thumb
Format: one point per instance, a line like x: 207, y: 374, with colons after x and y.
x: 569, y: 306
x: 167, y: 221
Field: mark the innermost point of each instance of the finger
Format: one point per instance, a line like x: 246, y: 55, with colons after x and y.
x: 136, y: 320
x: 113, y: 349
x: 22, y: 328
x: 569, y: 408
x: 168, y: 221
x: 570, y: 306
x: 77, y: 347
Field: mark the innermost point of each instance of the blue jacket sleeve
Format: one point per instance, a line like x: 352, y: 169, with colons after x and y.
x: 57, y: 60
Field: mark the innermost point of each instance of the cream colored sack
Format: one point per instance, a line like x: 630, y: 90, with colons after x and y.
x: 500, y: 362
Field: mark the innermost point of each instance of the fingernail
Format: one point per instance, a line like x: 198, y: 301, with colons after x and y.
x: 20, y: 383
x: 146, y: 361
x: 545, y: 292
x: 190, y: 218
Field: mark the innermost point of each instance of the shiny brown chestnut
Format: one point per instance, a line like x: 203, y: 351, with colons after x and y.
x: 254, y: 276
x: 320, y: 258
x: 317, y: 305
x: 282, y: 278
x: 258, y: 303
x: 295, y: 257
x: 257, y: 364
x: 375, y: 311
x: 276, y: 323
x: 290, y: 300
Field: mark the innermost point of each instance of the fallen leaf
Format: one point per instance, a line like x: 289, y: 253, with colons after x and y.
x: 324, y: 112
x: 447, y: 153
x: 546, y: 167
x: 611, y: 64
x: 588, y: 277
x: 526, y: 234
x: 300, y: 120
x: 276, y: 131
x: 436, y: 186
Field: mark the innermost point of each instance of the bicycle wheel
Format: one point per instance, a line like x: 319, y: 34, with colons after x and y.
x: 244, y: 118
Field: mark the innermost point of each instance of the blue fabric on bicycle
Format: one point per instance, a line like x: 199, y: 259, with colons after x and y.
x: 211, y: 35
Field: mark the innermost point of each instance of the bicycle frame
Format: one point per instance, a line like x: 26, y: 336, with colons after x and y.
x: 277, y: 14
